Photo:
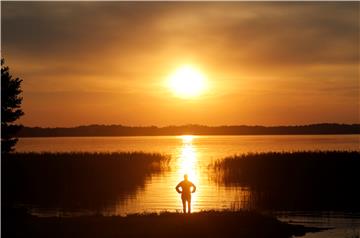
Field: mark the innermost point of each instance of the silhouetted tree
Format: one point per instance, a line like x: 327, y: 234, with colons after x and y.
x: 10, y: 108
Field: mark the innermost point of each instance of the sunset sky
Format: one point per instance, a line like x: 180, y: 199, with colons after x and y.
x: 110, y: 63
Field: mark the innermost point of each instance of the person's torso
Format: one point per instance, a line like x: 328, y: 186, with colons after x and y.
x: 186, y: 187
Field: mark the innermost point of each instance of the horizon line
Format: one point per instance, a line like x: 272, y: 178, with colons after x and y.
x: 200, y: 125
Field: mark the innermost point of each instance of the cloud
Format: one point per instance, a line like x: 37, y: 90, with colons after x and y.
x: 259, y: 32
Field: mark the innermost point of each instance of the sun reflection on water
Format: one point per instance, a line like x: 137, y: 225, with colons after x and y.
x: 188, y: 164
x: 188, y: 158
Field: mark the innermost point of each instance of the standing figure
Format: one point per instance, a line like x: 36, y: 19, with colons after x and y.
x: 186, y: 191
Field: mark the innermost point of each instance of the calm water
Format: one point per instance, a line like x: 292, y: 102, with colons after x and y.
x: 191, y: 155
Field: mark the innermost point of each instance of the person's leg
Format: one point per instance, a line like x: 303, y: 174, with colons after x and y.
x: 189, y: 205
x: 184, y: 204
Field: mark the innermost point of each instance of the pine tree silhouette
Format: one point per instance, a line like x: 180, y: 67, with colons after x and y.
x: 10, y: 108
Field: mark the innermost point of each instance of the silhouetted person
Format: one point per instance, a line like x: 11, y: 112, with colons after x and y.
x: 185, y: 191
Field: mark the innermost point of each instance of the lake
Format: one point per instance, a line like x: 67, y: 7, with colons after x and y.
x: 190, y: 155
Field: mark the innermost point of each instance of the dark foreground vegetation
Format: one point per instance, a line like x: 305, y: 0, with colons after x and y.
x: 295, y: 181
x: 119, y: 130
x: 76, y: 180
x: 203, y: 224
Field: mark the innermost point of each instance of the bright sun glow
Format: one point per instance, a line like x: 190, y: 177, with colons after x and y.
x: 187, y: 82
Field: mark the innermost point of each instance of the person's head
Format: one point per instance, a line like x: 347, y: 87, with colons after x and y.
x: 186, y: 177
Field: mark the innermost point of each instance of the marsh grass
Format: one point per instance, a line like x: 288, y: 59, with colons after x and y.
x: 295, y: 180
x: 77, y: 180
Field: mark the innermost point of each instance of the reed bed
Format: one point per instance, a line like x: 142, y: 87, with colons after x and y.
x: 295, y: 180
x: 77, y: 180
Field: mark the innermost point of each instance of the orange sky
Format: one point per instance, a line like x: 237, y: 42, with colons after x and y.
x: 107, y: 63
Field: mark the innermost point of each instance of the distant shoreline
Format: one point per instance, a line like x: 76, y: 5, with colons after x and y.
x: 120, y: 130
x: 71, y: 136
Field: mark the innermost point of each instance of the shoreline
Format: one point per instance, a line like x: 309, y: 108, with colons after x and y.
x: 166, y: 224
x: 192, y: 134
x: 192, y: 129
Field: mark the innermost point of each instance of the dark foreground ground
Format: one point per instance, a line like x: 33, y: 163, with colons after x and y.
x: 203, y: 224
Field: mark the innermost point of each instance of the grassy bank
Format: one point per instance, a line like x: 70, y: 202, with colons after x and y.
x: 77, y: 180
x: 203, y: 224
x: 295, y: 181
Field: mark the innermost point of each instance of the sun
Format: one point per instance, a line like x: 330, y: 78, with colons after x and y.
x: 187, y: 82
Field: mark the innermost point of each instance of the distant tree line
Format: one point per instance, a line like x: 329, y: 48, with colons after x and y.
x: 119, y: 130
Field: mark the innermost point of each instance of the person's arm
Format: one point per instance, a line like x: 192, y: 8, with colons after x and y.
x: 177, y: 188
x: 194, y: 188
